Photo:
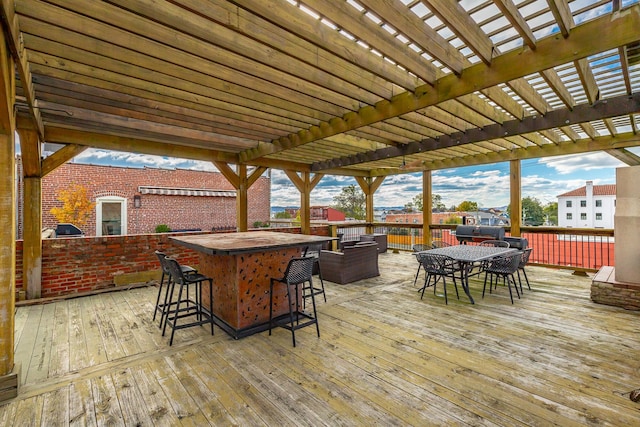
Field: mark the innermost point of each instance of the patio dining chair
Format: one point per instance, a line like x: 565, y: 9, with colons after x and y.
x: 504, y: 268
x: 524, y: 260
x: 438, y: 267
x: 185, y: 307
x: 419, y: 248
x: 162, y: 306
x: 299, y: 273
x: 439, y: 244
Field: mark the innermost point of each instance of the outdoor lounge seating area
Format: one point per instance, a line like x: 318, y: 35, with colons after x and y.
x: 354, y: 263
x: 384, y: 357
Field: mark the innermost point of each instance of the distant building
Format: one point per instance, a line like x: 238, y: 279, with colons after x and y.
x: 319, y: 213
x: 470, y: 218
x: 136, y: 200
x: 591, y: 206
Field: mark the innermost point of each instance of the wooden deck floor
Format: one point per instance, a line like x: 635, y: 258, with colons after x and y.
x: 384, y: 358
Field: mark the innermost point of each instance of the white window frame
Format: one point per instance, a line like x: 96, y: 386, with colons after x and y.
x: 123, y: 213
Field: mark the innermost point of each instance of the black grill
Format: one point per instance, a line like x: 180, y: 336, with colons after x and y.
x: 478, y: 233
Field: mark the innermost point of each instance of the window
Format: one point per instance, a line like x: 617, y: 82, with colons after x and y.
x: 583, y: 203
x: 111, y: 216
x: 568, y: 203
x: 598, y: 217
x: 569, y: 216
x: 598, y: 203
x: 583, y: 216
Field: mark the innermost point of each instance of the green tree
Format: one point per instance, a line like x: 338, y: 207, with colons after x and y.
x: 436, y: 203
x: 550, y: 211
x: 532, y: 212
x: 467, y: 206
x: 409, y: 207
x: 351, y: 201
x: 282, y: 215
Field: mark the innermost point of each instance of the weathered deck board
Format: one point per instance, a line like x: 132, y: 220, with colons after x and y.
x: 385, y: 357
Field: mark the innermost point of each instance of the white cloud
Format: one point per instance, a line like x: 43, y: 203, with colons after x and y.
x: 582, y: 162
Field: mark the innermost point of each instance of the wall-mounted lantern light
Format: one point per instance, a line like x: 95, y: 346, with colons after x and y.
x: 137, y: 201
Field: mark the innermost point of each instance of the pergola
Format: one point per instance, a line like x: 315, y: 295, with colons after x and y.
x: 363, y: 88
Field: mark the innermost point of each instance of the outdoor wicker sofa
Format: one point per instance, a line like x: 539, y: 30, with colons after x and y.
x: 354, y: 263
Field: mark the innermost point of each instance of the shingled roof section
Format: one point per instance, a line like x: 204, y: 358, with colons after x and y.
x: 598, y: 190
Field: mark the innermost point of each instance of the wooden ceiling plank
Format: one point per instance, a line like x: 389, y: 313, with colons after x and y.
x: 80, y: 72
x: 562, y: 15
x: 142, y: 125
x: 500, y: 97
x: 64, y: 56
x: 397, y: 15
x: 511, y: 12
x: 529, y: 95
x: 71, y: 81
x: 560, y: 118
x: 329, y: 40
x: 360, y: 26
x: 174, y: 16
x: 570, y: 133
x: 185, y: 66
x: 585, y: 40
x: 589, y: 130
x: 458, y: 20
x: 588, y: 80
x: 363, y: 71
x: 136, y: 113
x: 624, y: 64
x: 556, y: 84
x: 610, y: 126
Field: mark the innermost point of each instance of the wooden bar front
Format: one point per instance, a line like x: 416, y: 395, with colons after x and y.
x: 241, y: 266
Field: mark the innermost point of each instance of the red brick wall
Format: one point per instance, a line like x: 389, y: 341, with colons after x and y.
x: 178, y: 212
x: 82, y: 264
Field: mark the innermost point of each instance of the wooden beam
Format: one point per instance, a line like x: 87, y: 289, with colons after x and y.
x: 585, y: 40
x: 7, y: 78
x: 60, y: 157
x: 228, y: 173
x: 588, y: 80
x: 242, y: 199
x: 30, y: 149
x: 13, y: 37
x: 511, y: 12
x: 134, y: 145
x: 618, y: 106
x: 459, y: 21
x: 624, y: 156
x: 562, y: 14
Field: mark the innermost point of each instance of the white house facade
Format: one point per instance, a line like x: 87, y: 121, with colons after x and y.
x: 591, y: 206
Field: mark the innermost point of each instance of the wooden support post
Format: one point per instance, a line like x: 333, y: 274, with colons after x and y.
x: 32, y: 232
x: 305, y: 185
x: 241, y: 182
x: 516, y: 197
x: 427, y: 207
x: 8, y: 374
x: 369, y: 186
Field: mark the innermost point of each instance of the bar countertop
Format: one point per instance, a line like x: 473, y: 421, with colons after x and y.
x: 247, y: 241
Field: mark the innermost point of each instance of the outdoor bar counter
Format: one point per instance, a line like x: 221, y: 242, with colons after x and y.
x: 241, y: 265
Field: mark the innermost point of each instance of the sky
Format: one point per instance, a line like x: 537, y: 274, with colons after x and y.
x: 488, y: 185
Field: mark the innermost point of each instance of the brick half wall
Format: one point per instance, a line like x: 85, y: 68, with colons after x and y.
x: 76, y: 265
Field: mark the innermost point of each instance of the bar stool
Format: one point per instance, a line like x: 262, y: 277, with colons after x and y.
x: 160, y: 306
x: 313, y: 251
x: 191, y: 307
x: 298, y: 273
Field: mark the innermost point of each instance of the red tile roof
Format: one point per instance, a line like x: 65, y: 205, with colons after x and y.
x: 598, y: 190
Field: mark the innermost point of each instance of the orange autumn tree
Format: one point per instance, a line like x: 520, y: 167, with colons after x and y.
x: 76, y: 206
